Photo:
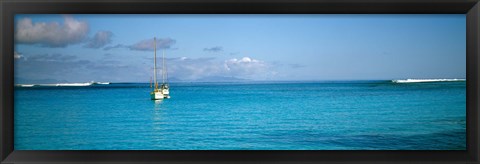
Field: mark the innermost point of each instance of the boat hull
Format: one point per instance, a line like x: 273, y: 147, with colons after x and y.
x: 158, y: 96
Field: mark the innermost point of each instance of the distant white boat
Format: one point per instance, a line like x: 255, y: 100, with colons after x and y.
x: 425, y: 80
x: 164, y: 91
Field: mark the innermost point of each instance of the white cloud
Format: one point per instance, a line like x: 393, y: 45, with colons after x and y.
x: 197, y: 68
x: 246, y: 66
x: 51, y: 66
x: 61, y: 67
x: 73, y: 69
x: 214, y: 49
x: 193, y: 68
x: 51, y: 34
x: 113, y: 47
x: 146, y: 45
x: 100, y: 39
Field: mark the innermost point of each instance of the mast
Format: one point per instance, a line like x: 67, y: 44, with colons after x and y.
x: 155, y: 63
x: 166, y: 74
x: 163, y: 66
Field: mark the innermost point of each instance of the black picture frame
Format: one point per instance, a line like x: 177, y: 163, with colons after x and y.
x: 9, y: 8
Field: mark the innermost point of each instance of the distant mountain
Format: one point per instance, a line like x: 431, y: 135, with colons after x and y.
x: 173, y: 79
x: 38, y: 81
x: 210, y: 79
x: 220, y: 79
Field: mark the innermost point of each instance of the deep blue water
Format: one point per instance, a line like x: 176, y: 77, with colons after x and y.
x: 353, y: 115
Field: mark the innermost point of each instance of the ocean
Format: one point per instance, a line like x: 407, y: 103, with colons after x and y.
x: 325, y: 115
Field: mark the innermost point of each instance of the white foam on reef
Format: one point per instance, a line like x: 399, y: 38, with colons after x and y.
x: 425, y: 80
x: 25, y: 85
x: 73, y: 84
x: 64, y: 84
x: 101, y: 83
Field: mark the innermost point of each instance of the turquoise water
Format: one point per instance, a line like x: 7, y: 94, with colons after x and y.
x: 349, y: 115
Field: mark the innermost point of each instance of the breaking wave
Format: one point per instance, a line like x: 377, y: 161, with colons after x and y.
x: 63, y: 84
x: 425, y: 80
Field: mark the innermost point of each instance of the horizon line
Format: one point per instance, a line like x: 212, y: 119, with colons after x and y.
x: 232, y: 81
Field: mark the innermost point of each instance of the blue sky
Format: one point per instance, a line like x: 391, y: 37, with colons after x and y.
x: 118, y: 48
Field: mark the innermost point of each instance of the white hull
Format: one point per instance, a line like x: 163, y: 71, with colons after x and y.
x: 159, y: 95
x: 156, y: 96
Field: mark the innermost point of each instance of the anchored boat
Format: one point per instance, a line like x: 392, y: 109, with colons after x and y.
x: 164, y: 90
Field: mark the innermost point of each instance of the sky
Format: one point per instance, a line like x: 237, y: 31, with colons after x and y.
x: 119, y: 48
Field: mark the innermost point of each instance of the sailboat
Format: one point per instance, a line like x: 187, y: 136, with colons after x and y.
x: 163, y: 92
